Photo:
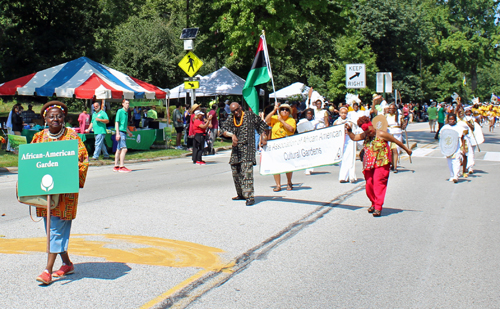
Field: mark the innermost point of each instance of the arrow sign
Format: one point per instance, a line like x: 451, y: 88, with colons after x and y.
x: 192, y: 84
x: 355, y: 75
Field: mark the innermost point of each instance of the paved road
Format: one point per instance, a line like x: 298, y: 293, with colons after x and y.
x: 168, y: 234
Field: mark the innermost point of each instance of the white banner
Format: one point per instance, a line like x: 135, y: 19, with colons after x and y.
x: 306, y: 150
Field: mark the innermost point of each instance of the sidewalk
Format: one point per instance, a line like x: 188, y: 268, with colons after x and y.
x: 12, y: 170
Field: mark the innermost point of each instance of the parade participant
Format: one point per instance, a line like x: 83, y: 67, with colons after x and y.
x: 396, y: 125
x: 491, y: 118
x: 200, y: 126
x: 122, y: 130
x: 376, y: 161
x: 54, y: 113
x: 347, y: 165
x: 284, y: 125
x: 99, y: 121
x: 320, y: 115
x: 470, y: 121
x: 240, y: 127
x: 305, y: 125
x: 455, y: 160
x: 379, y: 106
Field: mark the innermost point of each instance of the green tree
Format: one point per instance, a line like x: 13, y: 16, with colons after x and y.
x: 148, y: 49
x: 40, y: 34
x: 467, y: 34
x: 351, y: 48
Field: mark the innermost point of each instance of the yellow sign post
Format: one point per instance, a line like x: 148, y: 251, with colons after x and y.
x: 194, y: 84
x: 190, y: 64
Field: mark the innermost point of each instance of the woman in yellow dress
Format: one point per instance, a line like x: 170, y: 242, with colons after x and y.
x: 282, y: 125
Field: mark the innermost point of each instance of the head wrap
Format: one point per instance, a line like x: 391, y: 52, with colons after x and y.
x: 365, y: 126
x: 54, y: 104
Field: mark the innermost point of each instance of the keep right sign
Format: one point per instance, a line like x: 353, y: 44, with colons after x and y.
x: 355, y: 76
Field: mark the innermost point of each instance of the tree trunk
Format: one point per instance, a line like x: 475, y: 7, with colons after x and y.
x: 473, y: 77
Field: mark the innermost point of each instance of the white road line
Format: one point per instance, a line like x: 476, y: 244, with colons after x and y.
x: 492, y: 156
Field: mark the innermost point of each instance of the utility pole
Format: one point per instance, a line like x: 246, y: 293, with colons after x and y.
x: 187, y: 13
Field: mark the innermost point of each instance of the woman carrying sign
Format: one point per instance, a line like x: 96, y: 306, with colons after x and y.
x: 376, y: 161
x: 282, y: 125
x: 54, y: 113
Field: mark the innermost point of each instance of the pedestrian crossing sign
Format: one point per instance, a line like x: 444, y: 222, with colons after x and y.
x: 192, y: 84
x: 190, y: 64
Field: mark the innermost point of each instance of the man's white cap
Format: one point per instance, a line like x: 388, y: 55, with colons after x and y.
x: 197, y: 112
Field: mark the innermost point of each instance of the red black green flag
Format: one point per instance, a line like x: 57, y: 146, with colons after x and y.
x: 260, y: 73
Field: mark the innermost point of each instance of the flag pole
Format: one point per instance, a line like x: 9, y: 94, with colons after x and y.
x: 268, y: 61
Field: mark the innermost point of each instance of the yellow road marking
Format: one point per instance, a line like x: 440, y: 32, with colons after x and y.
x: 128, y: 249
x: 176, y: 288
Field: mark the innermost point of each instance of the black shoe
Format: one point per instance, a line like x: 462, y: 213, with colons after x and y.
x: 250, y: 201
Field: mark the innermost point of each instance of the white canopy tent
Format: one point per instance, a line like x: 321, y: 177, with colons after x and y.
x: 220, y: 82
x: 296, y: 89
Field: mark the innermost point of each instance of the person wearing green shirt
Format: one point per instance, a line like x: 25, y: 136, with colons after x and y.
x: 441, y: 111
x: 432, y: 113
x: 121, y: 127
x: 99, y: 121
x: 152, y: 113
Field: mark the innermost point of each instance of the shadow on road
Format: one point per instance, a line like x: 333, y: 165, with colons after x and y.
x: 97, y: 270
x: 275, y: 198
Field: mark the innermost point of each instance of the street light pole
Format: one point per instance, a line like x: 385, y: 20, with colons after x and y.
x: 187, y: 13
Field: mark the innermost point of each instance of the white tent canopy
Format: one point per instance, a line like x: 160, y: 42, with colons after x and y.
x: 220, y: 82
x: 297, y: 89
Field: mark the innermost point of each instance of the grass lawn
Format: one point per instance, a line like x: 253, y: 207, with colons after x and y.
x: 7, y: 159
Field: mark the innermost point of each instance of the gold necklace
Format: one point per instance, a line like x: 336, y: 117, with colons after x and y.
x: 241, y: 120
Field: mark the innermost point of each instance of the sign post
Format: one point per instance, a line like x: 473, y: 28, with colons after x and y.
x: 190, y: 64
x: 384, y: 82
x: 47, y: 169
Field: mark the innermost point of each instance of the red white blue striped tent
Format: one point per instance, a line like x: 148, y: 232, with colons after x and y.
x: 82, y: 78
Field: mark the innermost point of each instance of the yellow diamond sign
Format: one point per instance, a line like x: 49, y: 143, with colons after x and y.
x: 192, y: 84
x: 190, y: 64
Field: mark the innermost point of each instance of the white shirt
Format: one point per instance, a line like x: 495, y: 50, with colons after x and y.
x: 9, y: 121
x: 319, y: 116
x: 394, y: 127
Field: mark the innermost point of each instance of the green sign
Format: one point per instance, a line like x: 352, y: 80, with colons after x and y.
x: 144, y: 102
x: 48, y: 168
x: 16, y: 140
x: 141, y: 139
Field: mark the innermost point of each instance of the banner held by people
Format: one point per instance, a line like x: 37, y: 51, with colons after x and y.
x: 307, y: 150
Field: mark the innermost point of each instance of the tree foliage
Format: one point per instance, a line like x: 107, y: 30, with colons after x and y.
x: 428, y: 45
